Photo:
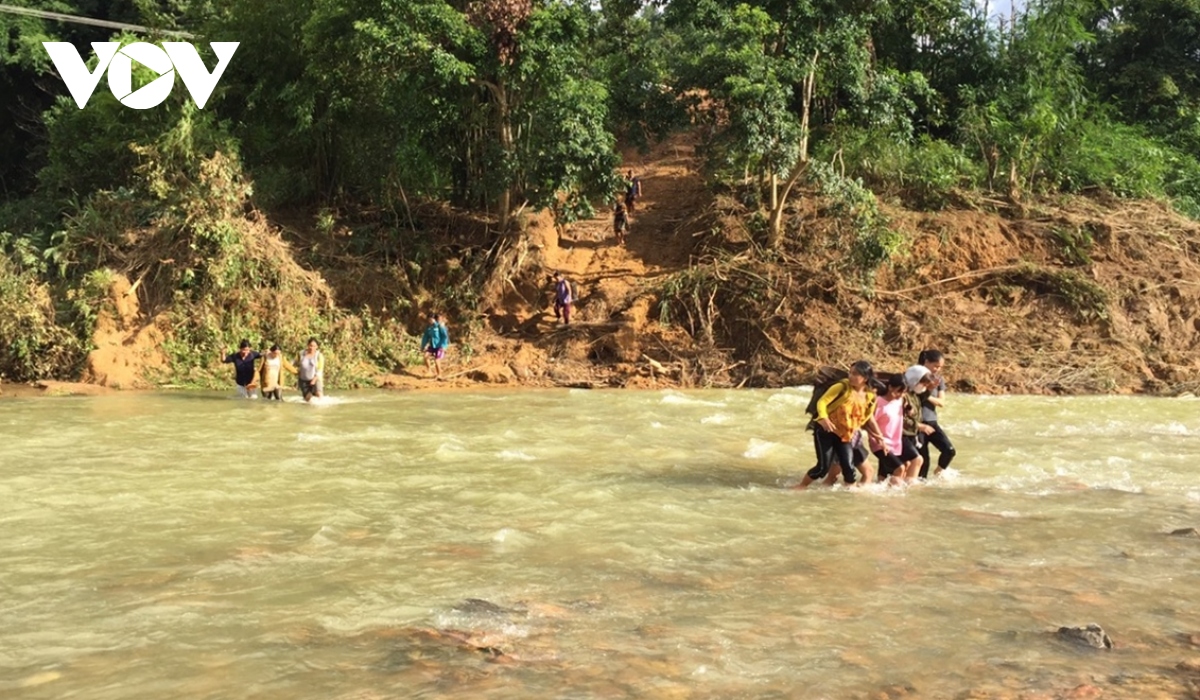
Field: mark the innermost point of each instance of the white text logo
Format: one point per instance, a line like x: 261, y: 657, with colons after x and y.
x: 174, y: 57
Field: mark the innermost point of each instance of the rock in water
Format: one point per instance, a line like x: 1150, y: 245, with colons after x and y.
x: 1185, y: 532
x: 1093, y: 636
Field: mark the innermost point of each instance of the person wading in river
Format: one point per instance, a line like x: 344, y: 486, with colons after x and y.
x: 312, y: 371
x: 270, y: 373
x: 843, y: 410
x: 919, y: 381
x: 243, y: 368
x: 934, y: 360
x: 902, y: 460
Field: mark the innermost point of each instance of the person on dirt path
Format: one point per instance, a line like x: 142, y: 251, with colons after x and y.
x: 934, y: 360
x: 270, y: 373
x: 312, y: 371
x: 434, y: 343
x: 564, y: 298
x: 243, y: 368
x: 842, y: 412
x: 620, y: 223
x: 633, y: 190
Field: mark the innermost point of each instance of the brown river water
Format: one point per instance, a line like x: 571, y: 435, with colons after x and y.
x: 575, y: 544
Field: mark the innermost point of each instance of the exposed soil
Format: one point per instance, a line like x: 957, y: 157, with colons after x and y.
x: 1074, y: 295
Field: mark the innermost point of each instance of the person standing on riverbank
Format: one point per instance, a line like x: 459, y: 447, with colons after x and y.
x: 844, y: 409
x: 312, y: 371
x: 434, y: 343
x: 564, y: 298
x: 270, y: 373
x: 931, y: 401
x: 243, y: 368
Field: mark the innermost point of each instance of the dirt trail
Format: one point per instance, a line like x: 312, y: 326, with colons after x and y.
x: 608, y: 276
x: 612, y: 326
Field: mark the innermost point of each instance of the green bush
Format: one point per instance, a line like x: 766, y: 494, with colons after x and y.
x: 872, y: 240
x: 34, y: 346
x: 924, y: 173
x: 1106, y: 154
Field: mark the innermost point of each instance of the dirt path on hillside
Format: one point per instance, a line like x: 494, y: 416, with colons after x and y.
x: 609, y: 275
x: 612, y: 327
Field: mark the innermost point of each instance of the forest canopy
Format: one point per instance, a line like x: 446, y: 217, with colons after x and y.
x: 497, y: 107
x: 502, y: 104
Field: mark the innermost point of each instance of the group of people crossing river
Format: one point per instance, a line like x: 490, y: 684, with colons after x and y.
x: 898, y: 413
x: 267, y: 376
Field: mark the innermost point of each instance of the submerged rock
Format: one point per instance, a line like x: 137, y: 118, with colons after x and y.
x: 1185, y: 532
x: 1092, y: 636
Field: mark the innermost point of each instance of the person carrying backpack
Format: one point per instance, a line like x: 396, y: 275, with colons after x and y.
x: 839, y: 412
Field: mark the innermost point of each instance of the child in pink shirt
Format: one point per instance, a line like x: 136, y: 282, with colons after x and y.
x: 894, y: 463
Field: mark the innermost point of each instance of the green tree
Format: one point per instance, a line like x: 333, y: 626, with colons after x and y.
x: 778, y: 73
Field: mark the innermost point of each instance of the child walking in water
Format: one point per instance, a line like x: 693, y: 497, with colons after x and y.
x: 901, y: 460
x: 919, y: 381
x: 845, y: 408
x: 934, y: 360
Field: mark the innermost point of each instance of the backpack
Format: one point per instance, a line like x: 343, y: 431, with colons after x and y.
x: 826, y: 379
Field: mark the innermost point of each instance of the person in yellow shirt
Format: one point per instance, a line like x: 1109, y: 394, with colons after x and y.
x: 846, y: 407
x: 270, y: 374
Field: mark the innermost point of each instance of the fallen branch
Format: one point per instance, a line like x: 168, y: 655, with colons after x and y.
x: 968, y: 275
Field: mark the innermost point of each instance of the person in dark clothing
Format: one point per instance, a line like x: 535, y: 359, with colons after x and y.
x: 633, y: 190
x: 934, y: 360
x: 620, y: 223
x: 243, y: 368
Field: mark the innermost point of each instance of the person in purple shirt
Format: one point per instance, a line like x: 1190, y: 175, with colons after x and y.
x: 243, y: 367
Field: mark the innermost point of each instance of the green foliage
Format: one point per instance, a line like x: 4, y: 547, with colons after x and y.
x: 35, y: 346
x: 1076, y: 244
x: 872, y: 241
x: 1112, y: 156
x: 924, y: 173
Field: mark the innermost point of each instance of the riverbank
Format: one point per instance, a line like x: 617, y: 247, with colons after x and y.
x: 1071, y: 295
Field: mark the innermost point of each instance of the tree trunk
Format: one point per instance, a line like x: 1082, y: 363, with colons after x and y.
x: 505, y: 128
x: 779, y: 201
